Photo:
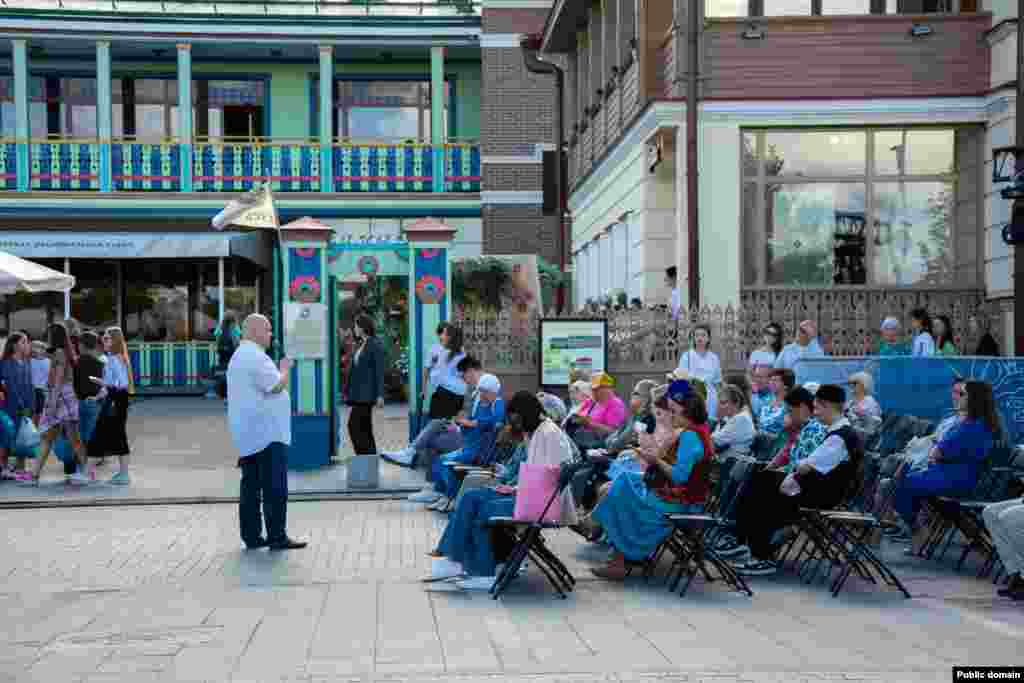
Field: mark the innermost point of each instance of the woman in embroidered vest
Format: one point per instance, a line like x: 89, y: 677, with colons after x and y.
x: 676, y: 481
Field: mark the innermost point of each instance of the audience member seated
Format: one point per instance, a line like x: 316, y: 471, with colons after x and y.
x: 599, y: 416
x: 914, y: 457
x: 761, y: 390
x: 505, y: 449
x: 802, y: 434
x: 676, y: 481
x: 1005, y: 522
x: 466, y: 548
x: 821, y: 480
x: 862, y: 404
x: 487, y: 414
x: 441, y: 435
x: 620, y: 441
x: 773, y: 413
x: 732, y: 439
x: 954, y: 461
x: 579, y: 395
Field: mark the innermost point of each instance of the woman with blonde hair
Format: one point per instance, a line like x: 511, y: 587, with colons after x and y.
x: 111, y: 437
x: 862, y: 404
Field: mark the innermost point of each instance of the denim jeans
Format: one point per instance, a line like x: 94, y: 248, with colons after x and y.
x: 445, y: 481
x: 264, y: 485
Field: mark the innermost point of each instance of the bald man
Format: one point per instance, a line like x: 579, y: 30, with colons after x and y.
x: 260, y: 420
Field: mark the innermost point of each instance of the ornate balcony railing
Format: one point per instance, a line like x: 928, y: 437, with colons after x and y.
x: 146, y: 166
x: 230, y: 165
x: 225, y: 165
x: 64, y: 164
x: 317, y: 8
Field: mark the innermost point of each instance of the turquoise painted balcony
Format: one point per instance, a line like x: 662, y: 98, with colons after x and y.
x: 220, y: 165
x: 227, y: 166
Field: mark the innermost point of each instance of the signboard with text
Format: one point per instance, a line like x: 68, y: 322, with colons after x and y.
x: 569, y: 345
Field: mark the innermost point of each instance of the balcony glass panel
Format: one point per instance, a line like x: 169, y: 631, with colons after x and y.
x: 846, y: 7
x: 785, y: 8
x: 726, y: 8
x: 914, y: 233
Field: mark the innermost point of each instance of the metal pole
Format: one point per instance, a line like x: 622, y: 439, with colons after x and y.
x: 67, y: 294
x: 1018, y: 254
x: 220, y: 291
x: 693, y: 231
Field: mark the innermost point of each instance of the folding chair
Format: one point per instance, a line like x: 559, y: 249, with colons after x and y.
x: 529, y: 542
x: 693, y: 554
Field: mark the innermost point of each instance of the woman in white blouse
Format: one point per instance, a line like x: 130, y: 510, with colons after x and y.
x: 703, y: 363
x: 111, y: 437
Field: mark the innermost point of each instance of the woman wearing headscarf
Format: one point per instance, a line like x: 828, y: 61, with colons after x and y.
x: 676, y: 481
x: 466, y: 548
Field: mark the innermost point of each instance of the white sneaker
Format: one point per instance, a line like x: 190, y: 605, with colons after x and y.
x: 402, y: 458
x: 477, y: 583
x: 442, y: 568
x: 440, y: 504
x: 427, y: 495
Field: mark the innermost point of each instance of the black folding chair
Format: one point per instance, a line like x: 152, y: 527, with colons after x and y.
x: 693, y: 554
x: 529, y: 542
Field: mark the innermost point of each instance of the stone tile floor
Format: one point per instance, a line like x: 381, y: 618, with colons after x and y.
x: 181, y: 449
x: 165, y: 594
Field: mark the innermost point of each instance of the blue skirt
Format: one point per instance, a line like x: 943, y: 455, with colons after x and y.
x: 634, y: 517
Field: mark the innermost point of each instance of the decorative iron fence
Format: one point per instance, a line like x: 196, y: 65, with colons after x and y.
x: 647, y: 343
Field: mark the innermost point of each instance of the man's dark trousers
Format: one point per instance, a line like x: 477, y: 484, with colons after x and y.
x: 264, y: 481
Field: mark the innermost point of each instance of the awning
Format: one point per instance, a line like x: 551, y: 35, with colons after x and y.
x: 253, y: 246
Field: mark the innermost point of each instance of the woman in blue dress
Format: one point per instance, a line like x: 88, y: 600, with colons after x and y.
x: 676, y: 481
x: 954, y: 461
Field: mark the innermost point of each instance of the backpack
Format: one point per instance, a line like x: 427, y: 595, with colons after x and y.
x: 225, y: 347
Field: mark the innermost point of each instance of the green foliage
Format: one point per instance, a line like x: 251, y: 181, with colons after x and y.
x: 478, y: 282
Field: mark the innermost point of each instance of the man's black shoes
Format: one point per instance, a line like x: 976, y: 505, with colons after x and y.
x: 287, y: 544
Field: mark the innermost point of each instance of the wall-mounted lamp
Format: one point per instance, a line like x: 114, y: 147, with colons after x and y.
x: 753, y: 32
x: 920, y: 30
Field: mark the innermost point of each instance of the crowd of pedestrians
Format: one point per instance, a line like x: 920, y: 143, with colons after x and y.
x: 68, y: 393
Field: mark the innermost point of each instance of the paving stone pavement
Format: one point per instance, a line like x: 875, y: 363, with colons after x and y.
x: 181, y: 449
x: 164, y: 593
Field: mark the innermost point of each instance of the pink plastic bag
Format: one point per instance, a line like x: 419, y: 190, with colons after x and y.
x: 537, y: 483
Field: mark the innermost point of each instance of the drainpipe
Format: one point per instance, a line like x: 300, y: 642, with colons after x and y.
x: 534, y: 64
x: 693, y: 233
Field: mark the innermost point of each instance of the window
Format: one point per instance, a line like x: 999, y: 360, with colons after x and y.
x: 381, y: 110
x: 94, y: 298
x: 816, y: 212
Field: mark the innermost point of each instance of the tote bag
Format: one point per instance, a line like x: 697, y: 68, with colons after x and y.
x: 27, y: 439
x: 537, y: 483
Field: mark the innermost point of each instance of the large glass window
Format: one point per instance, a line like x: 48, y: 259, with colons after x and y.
x: 817, y: 213
x: 382, y: 110
x: 94, y: 298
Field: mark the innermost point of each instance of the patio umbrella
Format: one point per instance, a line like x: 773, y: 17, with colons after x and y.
x: 19, y: 275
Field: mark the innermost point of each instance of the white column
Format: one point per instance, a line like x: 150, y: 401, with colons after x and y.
x: 220, y: 291
x: 67, y: 294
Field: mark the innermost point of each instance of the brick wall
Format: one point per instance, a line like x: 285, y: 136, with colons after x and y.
x: 517, y: 115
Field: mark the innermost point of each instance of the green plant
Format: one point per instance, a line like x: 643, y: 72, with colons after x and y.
x: 478, y: 282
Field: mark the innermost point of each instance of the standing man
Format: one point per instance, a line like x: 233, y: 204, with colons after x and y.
x: 260, y: 419
x: 673, y: 286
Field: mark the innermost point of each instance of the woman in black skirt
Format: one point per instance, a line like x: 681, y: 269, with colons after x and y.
x: 450, y: 393
x: 111, y: 436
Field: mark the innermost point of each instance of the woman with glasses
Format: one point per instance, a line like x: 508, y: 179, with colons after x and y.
x: 765, y: 355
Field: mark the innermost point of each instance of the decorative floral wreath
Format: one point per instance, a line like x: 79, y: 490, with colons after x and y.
x: 305, y: 252
x: 429, y: 253
x: 368, y: 265
x: 430, y: 289
x: 305, y: 289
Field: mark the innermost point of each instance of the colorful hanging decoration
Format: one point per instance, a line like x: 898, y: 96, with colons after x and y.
x: 430, y: 289
x: 368, y: 265
x: 305, y: 289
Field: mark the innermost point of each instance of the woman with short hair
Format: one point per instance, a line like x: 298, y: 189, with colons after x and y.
x: 862, y: 403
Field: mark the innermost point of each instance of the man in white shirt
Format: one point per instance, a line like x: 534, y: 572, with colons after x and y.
x: 805, y: 346
x: 260, y: 420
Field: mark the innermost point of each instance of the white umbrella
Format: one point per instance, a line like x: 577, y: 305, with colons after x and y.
x: 19, y: 275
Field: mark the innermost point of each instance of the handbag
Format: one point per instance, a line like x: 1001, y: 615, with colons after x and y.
x: 537, y: 484
x: 27, y: 439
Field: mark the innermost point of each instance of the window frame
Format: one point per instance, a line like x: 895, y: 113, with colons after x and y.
x: 760, y: 179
